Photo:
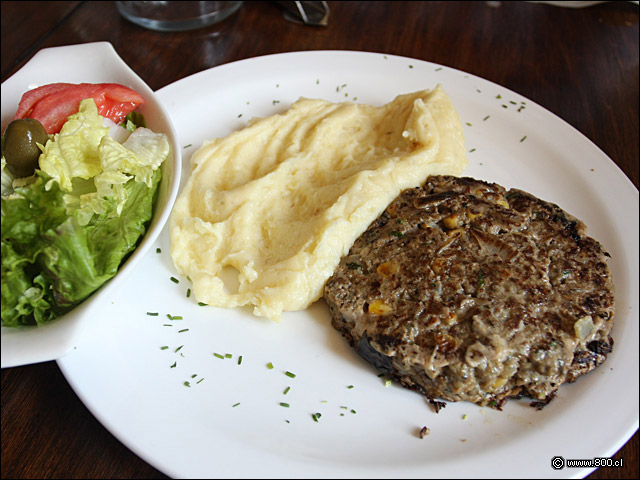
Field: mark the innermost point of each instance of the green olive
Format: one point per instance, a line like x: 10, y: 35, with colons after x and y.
x: 20, y: 149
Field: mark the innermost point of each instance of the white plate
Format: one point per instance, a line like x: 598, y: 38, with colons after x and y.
x: 137, y: 388
x: 87, y: 63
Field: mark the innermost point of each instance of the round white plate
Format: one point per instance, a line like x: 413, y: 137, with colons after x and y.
x: 96, y: 62
x: 158, y: 384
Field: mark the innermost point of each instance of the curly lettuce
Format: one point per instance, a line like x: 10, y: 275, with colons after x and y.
x: 68, y: 231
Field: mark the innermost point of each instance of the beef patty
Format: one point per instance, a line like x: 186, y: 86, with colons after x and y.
x: 464, y: 291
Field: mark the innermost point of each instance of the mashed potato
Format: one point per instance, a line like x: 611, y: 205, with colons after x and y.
x: 279, y: 202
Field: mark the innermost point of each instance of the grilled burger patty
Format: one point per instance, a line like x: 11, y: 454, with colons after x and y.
x: 462, y: 290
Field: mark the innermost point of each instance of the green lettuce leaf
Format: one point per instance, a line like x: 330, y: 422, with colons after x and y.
x: 92, y: 168
x: 50, y: 262
x: 68, y: 229
x: 74, y: 151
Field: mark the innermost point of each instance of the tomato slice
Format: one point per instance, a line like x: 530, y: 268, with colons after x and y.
x: 52, y: 104
x: 30, y: 98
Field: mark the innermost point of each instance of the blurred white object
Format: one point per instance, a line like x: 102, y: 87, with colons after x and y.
x: 571, y: 4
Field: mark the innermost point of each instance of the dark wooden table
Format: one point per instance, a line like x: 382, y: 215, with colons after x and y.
x: 581, y: 64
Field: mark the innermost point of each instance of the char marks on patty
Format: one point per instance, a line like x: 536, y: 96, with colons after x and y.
x: 464, y: 291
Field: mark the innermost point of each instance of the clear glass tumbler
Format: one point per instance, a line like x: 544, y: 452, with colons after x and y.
x: 176, y: 16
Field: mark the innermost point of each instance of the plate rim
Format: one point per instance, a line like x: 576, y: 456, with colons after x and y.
x: 631, y: 430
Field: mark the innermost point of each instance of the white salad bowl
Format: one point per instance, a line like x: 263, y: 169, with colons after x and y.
x: 86, y: 63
